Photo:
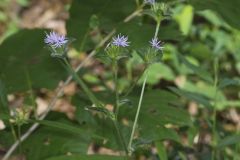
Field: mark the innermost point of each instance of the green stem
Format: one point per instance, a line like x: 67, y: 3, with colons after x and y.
x: 137, y: 115
x: 19, y: 138
x: 89, y: 93
x: 94, y: 100
x: 115, y: 72
x: 138, y: 4
x: 135, y: 83
x: 236, y: 155
x: 31, y: 93
x: 157, y: 28
x: 13, y: 132
x: 214, y: 132
x: 120, y: 136
x: 116, y: 108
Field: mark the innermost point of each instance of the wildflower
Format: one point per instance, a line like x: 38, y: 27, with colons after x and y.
x: 152, y: 2
x: 55, y: 40
x: 155, y: 43
x: 120, y: 41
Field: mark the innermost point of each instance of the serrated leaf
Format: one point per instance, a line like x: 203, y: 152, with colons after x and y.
x: 225, y: 82
x: 197, y: 70
x: 230, y: 140
x: 192, y: 96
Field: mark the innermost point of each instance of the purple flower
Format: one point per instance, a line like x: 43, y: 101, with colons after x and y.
x: 149, y: 2
x: 55, y: 40
x: 155, y: 43
x: 120, y: 41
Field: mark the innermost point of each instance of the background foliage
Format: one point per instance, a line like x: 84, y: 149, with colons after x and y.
x: 177, y: 114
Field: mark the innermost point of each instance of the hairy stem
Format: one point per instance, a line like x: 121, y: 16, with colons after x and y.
x: 137, y: 115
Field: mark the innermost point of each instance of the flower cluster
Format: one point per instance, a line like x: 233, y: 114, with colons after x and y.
x: 155, y: 43
x: 120, y: 41
x: 55, y: 40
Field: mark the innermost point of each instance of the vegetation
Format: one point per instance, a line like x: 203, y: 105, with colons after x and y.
x: 148, y: 79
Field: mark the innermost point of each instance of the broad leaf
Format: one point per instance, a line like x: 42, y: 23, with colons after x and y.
x: 108, y: 12
x: 226, y: 9
x: 23, y: 56
x: 192, y: 96
x: 56, y: 138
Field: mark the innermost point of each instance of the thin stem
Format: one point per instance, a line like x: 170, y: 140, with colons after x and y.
x: 13, y: 132
x: 137, y: 3
x: 120, y: 136
x: 157, y: 29
x: 137, y: 115
x: 115, y: 72
x: 134, y: 14
x: 19, y: 138
x: 95, y: 100
x: 82, y: 84
x: 214, y: 133
x: 141, y: 97
x: 31, y: 93
x: 116, y: 108
x: 135, y: 83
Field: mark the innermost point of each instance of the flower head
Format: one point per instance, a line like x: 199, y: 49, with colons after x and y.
x: 55, y: 40
x: 152, y: 2
x: 120, y: 41
x: 155, y: 43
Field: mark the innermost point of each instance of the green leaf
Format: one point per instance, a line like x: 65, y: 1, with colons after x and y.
x: 230, y: 140
x: 226, y: 9
x: 28, y: 57
x: 197, y: 70
x: 88, y: 157
x: 157, y: 109
x: 151, y: 133
x: 162, y: 153
x: 108, y: 12
x: 192, y: 96
x: 185, y: 19
x: 55, y: 139
x: 133, y: 28
x: 225, y: 82
x: 3, y: 98
x: 158, y: 71
x: 4, y: 116
x: 59, y: 125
